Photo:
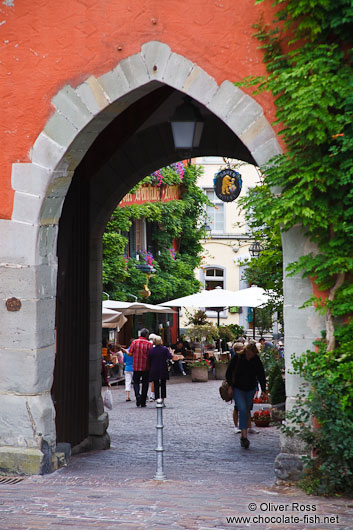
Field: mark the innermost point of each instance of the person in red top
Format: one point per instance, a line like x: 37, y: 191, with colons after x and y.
x: 139, y: 350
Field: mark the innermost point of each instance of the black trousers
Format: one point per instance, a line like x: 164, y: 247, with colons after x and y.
x: 141, y: 377
x: 160, y: 388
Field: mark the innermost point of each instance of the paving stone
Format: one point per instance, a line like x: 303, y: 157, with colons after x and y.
x: 209, y: 476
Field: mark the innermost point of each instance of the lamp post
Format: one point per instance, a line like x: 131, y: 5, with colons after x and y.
x: 187, y: 126
x: 255, y: 250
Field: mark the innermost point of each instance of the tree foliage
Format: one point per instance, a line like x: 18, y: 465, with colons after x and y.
x: 180, y: 220
x: 308, y: 55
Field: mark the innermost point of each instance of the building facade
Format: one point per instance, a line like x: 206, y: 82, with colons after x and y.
x: 227, y: 246
x: 87, y: 94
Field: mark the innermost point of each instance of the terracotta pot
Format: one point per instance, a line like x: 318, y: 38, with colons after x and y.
x: 262, y: 423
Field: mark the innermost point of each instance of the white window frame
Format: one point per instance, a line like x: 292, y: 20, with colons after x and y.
x: 203, y: 277
x: 216, y: 201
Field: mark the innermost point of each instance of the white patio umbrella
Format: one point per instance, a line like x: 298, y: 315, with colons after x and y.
x: 112, y: 319
x: 220, y: 298
x: 135, y: 308
x: 251, y: 297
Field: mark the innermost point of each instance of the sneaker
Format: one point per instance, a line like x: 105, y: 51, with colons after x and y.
x: 236, y: 430
x: 183, y: 373
x: 244, y: 442
x: 152, y: 398
x: 251, y: 430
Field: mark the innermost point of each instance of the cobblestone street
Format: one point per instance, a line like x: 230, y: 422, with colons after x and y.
x: 209, y: 476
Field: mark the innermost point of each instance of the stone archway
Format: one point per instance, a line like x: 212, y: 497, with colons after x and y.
x: 81, y: 114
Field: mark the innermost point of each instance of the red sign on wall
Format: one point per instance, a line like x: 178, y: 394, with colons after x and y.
x: 151, y: 194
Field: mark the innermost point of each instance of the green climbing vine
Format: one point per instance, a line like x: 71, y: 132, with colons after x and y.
x: 181, y: 220
x: 308, y: 56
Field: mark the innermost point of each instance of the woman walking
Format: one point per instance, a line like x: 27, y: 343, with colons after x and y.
x: 243, y: 373
x: 159, y: 374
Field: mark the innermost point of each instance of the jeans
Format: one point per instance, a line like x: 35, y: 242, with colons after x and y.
x: 181, y: 367
x: 243, y: 400
x: 141, y: 376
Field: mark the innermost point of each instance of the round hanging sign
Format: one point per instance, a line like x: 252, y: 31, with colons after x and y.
x: 227, y: 184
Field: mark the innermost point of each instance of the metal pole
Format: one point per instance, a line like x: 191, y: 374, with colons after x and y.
x: 160, y: 475
x: 254, y: 322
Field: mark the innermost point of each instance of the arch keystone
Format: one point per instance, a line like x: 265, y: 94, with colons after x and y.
x: 155, y: 55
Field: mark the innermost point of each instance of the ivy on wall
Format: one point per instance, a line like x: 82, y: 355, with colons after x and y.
x: 182, y: 220
x: 308, y: 56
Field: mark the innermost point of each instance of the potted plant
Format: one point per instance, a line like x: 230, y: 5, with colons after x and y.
x: 262, y: 418
x: 203, y: 332
x: 220, y: 369
x: 199, y: 371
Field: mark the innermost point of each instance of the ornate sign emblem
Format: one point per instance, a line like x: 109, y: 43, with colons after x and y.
x: 227, y: 184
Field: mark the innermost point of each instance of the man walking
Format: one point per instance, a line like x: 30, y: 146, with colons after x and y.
x: 139, y: 350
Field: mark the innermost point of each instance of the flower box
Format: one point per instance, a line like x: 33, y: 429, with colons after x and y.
x: 262, y: 418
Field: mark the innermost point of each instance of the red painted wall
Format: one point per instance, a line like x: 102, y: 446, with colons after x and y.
x: 46, y: 45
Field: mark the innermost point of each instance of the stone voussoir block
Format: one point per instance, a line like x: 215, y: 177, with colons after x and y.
x: 177, y: 70
x: 60, y: 129
x: 114, y: 83
x: 266, y: 151
x: 155, y: 55
x: 46, y: 152
x: 244, y: 114
x: 92, y: 95
x: 225, y: 99
x: 30, y: 178
x: 200, y: 86
x: 258, y: 133
x: 69, y: 104
x: 26, y: 208
x: 135, y: 71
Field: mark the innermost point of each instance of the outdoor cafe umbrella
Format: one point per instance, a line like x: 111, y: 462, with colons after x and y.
x: 135, y: 308
x: 219, y: 298
x: 112, y: 319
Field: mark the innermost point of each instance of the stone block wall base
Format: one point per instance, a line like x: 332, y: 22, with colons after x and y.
x: 20, y: 461
x: 288, y: 467
x: 92, y: 443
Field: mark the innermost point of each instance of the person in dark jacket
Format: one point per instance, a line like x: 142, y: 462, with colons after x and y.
x: 157, y: 358
x: 243, y: 373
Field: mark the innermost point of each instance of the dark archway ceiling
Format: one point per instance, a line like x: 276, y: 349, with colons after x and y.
x: 139, y: 141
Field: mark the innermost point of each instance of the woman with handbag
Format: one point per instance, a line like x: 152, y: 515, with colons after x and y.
x: 243, y: 373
